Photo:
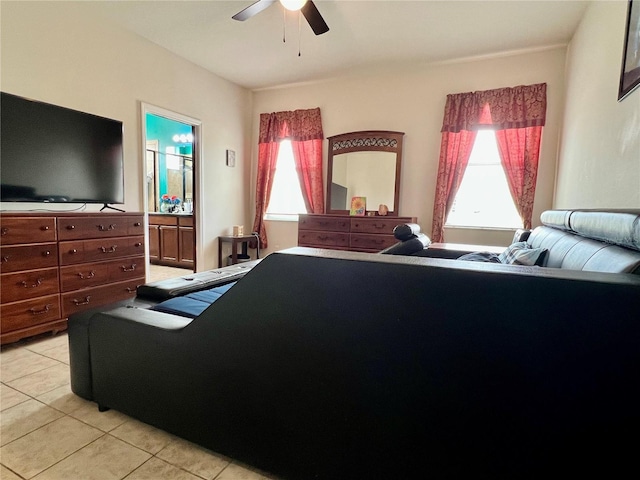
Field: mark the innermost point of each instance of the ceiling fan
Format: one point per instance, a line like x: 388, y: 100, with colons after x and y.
x: 306, y: 7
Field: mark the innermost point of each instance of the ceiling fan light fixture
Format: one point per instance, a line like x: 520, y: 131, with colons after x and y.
x: 293, y: 5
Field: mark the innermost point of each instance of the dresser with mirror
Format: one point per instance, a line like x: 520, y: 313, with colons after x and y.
x: 359, y: 164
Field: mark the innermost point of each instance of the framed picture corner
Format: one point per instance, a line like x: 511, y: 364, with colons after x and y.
x: 630, y: 70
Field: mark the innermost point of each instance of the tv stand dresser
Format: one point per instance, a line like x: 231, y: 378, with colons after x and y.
x: 56, y: 264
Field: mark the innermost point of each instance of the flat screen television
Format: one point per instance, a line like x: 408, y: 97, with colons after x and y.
x: 54, y: 154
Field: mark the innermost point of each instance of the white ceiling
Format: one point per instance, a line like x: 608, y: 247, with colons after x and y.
x: 363, y: 34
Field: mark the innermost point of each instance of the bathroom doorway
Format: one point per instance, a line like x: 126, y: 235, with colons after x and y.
x: 171, y: 166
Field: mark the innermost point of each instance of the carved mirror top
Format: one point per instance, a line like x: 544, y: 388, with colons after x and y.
x: 364, y: 164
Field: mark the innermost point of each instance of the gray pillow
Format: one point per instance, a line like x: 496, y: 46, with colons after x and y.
x: 520, y: 253
x: 480, y: 257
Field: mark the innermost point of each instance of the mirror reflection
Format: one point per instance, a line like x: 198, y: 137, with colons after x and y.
x: 364, y: 164
x: 169, y: 165
x: 363, y: 174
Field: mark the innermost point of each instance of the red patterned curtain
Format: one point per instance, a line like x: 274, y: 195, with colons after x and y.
x: 519, y: 150
x: 518, y: 115
x: 304, y: 129
x: 455, y: 150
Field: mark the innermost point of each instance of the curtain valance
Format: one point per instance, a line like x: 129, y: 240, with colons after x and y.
x: 502, y: 108
x: 297, y: 125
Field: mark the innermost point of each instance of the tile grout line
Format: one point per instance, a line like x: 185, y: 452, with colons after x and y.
x: 15, y: 473
x: 102, y: 432
x: 72, y: 453
x: 35, y: 371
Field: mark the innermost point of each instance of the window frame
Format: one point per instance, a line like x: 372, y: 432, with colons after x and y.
x: 485, y: 147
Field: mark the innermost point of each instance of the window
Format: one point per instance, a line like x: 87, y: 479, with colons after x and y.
x: 484, y: 199
x: 286, y: 197
x: 173, y: 160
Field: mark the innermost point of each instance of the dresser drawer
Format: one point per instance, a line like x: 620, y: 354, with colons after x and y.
x: 186, y: 221
x: 163, y: 220
x: 311, y: 238
x: 371, y: 242
x: 73, y: 302
x: 29, y: 284
x: 376, y: 224
x: 310, y: 222
x: 126, y: 268
x: 28, y: 257
x: 27, y: 230
x: 30, y: 312
x: 78, y: 228
x: 75, y: 277
x: 82, y: 251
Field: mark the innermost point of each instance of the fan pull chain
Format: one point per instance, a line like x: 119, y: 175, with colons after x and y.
x: 284, y: 25
x: 299, y: 32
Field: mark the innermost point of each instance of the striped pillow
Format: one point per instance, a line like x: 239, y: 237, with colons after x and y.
x: 520, y: 253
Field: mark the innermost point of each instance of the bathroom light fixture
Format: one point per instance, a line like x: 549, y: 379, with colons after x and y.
x: 188, y: 138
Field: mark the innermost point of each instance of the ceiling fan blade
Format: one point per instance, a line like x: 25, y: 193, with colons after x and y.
x: 253, y: 9
x: 316, y: 22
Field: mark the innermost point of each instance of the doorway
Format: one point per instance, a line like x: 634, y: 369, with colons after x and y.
x: 171, y: 165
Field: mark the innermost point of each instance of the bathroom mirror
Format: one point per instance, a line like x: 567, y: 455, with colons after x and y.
x: 364, y: 164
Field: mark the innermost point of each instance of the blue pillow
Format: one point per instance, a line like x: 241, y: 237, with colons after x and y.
x: 193, y: 304
x: 183, y: 306
x: 212, y: 294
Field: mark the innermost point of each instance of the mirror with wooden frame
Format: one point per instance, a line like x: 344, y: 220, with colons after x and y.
x: 364, y: 164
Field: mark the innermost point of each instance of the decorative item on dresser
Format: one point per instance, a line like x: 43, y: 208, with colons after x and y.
x: 344, y: 232
x: 56, y: 264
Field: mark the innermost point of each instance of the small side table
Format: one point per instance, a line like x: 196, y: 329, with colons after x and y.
x: 234, y: 241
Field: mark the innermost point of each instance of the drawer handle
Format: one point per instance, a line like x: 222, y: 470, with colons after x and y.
x: 131, y: 290
x: 129, y: 269
x: 82, y: 302
x: 46, y: 308
x: 5, y: 230
x: 379, y: 227
x: 102, y: 228
x: 137, y: 224
x: 46, y: 253
x: 323, y: 237
x: 44, y: 228
x: 91, y: 274
x: 73, y: 251
x: 138, y: 244
x: 33, y: 285
x: 111, y: 249
x: 5, y: 258
x: 71, y: 227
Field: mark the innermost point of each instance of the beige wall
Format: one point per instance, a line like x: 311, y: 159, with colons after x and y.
x: 53, y: 52
x: 599, y: 160
x: 411, y: 99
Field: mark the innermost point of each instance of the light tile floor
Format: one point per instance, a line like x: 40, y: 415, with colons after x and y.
x: 47, y: 432
x: 162, y: 272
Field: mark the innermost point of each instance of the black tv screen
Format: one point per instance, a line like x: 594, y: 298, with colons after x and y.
x: 54, y: 154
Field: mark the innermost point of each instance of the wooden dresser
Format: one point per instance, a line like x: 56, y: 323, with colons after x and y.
x: 56, y: 264
x: 344, y: 232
